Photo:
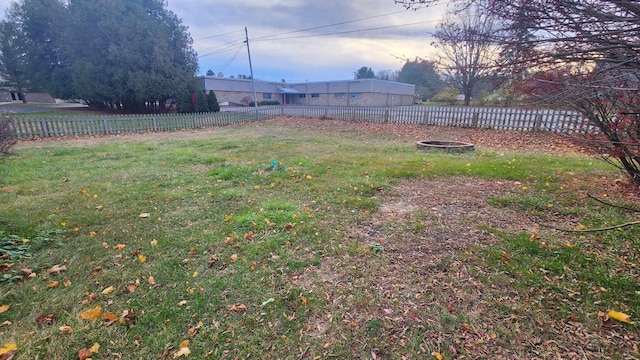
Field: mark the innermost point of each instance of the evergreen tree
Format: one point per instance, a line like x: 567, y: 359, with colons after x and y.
x: 184, y: 104
x: 201, y: 103
x: 118, y: 54
x: 213, y: 102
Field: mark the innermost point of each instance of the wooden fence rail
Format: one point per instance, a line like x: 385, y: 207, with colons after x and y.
x: 497, y: 118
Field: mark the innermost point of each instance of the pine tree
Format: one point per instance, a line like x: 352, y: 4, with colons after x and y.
x: 214, y: 106
x: 201, y: 103
x: 184, y: 104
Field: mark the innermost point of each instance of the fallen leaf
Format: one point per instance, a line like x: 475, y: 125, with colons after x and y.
x: 184, y: 344
x: 131, y: 287
x: 154, y: 242
x: 151, y: 280
x: 227, y: 218
x: 142, y: 258
x: 53, y: 284
x: 437, y: 355
x: 92, y: 298
x: 4, y: 308
x: 234, y: 257
x: 84, y: 354
x: 8, y: 350
x: 182, y: 352
x: 620, y: 316
x: 94, y: 348
x: 195, y: 274
x: 108, y: 290
x: 109, y: 319
x: 92, y: 314
x: 66, y: 329
x: 57, y: 269
x: 119, y: 247
x: 67, y: 283
x: 182, y: 303
x: 5, y: 323
x: 212, y: 260
x: 46, y: 319
x: 238, y: 308
x: 129, y: 317
x: 105, y: 245
x: 26, y: 272
x: 144, y: 215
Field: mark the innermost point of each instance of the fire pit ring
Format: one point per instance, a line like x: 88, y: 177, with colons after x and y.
x: 444, y: 146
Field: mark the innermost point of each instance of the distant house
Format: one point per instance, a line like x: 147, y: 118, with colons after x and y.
x: 362, y: 92
x: 9, y: 94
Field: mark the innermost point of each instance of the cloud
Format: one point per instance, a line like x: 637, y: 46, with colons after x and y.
x: 217, y: 27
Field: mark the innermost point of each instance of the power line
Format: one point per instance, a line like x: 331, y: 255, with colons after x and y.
x: 218, y: 35
x: 233, y: 58
x: 329, y: 25
x: 231, y: 46
x: 348, y: 31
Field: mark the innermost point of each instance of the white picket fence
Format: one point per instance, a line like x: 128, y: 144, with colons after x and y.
x: 497, y: 118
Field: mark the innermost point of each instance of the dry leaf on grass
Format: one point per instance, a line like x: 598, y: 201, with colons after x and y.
x: 620, y: 316
x: 46, y: 319
x: 92, y: 314
x: 57, y: 269
x: 66, y: 329
x: 238, y: 308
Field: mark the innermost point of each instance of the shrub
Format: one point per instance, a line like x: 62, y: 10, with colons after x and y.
x: 212, y: 100
x: 266, y: 102
x: 201, y: 103
x: 184, y: 104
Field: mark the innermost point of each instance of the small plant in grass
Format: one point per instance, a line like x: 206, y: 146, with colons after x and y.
x: 376, y: 247
x: 13, y: 248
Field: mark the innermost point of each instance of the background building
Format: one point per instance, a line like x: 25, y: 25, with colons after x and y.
x: 362, y: 92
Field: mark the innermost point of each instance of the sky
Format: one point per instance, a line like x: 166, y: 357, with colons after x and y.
x: 288, y: 39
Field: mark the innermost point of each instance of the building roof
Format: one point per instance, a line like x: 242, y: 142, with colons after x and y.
x: 340, y: 86
x: 287, y: 90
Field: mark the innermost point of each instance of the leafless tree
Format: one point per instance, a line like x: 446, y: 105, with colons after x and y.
x: 466, y: 49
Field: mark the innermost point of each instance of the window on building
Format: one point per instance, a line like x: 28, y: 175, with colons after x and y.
x: 302, y: 96
x: 315, y: 95
x: 266, y: 96
x: 356, y: 95
x: 339, y: 95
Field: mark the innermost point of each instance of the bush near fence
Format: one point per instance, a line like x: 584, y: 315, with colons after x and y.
x: 497, y: 118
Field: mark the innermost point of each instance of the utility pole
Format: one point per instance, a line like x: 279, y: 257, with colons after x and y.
x: 253, y: 85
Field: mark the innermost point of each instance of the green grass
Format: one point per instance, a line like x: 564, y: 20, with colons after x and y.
x: 224, y: 229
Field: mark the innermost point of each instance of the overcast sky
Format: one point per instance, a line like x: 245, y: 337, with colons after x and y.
x: 299, y: 55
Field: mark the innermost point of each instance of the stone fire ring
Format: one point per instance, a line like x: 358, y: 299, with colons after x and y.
x: 444, y: 146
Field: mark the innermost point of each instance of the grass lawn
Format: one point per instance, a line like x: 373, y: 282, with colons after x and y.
x: 309, y: 239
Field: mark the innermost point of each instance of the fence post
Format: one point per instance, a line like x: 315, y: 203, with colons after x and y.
x: 425, y: 116
x: 105, y: 124
x: 155, y: 124
x: 386, y: 115
x: 474, y: 121
x: 45, y: 128
x: 538, y: 123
